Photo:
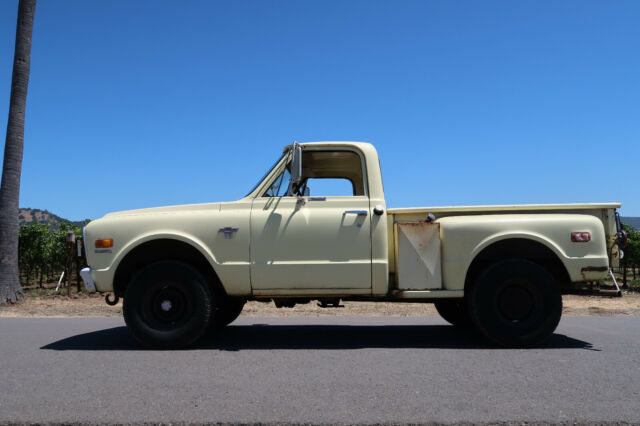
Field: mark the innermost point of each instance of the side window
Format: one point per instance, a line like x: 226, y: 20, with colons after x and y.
x: 330, y: 187
x: 332, y: 173
x: 279, y: 186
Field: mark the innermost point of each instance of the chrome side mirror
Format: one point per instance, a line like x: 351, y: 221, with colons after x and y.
x: 296, y: 164
x: 296, y: 167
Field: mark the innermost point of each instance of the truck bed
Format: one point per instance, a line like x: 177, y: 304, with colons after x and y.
x: 437, y: 253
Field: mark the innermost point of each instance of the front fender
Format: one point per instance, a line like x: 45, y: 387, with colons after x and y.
x: 229, y: 257
x: 104, y: 277
x: 192, y: 240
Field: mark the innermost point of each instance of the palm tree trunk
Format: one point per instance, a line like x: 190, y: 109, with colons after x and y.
x: 10, y: 290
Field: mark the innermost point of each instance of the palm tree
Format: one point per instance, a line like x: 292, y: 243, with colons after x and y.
x: 10, y: 290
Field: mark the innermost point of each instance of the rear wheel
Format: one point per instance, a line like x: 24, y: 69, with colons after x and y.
x: 167, y: 305
x: 227, y: 312
x: 515, y: 303
x: 454, y: 311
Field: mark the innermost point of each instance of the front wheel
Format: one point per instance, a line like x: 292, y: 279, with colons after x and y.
x: 227, y: 312
x: 454, y: 311
x: 167, y: 305
x: 515, y: 303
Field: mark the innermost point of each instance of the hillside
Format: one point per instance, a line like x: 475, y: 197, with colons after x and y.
x: 634, y: 222
x: 29, y: 215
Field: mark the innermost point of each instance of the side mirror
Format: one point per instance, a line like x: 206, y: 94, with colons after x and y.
x: 296, y: 164
x: 296, y: 168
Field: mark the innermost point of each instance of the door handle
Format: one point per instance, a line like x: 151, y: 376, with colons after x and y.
x: 358, y: 212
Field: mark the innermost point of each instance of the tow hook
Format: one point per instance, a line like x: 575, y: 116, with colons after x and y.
x: 110, y: 302
x: 330, y: 303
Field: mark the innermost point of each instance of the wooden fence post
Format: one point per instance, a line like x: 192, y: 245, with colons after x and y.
x: 77, y: 257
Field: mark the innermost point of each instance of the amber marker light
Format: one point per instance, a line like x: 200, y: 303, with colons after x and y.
x: 104, y: 243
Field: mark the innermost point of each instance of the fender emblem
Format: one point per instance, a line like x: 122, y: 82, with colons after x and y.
x: 228, y: 232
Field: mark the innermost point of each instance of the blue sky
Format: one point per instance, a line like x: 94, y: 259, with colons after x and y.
x: 138, y: 103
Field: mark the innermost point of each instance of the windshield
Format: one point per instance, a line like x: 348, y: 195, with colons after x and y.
x: 267, y: 172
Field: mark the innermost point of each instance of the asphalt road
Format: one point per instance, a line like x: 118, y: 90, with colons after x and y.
x: 318, y: 370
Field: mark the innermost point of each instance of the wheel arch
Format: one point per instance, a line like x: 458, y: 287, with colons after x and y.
x: 527, y: 247
x: 165, y: 248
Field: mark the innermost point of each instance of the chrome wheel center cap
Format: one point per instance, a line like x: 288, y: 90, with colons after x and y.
x: 166, y: 305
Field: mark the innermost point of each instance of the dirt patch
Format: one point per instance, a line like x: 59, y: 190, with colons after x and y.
x: 78, y: 305
x: 627, y: 305
x: 85, y: 305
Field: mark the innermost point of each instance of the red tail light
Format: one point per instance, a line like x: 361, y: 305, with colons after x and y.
x: 580, y: 237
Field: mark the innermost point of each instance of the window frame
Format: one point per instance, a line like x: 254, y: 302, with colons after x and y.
x: 286, y: 160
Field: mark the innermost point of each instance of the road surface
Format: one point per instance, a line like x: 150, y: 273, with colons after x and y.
x: 318, y: 370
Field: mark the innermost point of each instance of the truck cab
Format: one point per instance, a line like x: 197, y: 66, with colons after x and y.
x: 314, y: 234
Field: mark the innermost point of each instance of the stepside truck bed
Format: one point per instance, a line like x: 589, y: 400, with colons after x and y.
x: 431, y: 248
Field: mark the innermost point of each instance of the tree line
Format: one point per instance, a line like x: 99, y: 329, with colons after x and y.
x: 43, y: 253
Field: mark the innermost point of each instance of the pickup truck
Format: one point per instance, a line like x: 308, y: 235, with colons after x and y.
x: 316, y: 227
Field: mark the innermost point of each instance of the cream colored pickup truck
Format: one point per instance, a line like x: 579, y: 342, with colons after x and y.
x: 316, y: 227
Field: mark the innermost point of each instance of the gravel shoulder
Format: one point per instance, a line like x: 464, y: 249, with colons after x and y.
x: 85, y: 305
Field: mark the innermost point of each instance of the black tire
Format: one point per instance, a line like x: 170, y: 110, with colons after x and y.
x: 167, y: 304
x: 227, y: 312
x: 515, y: 303
x: 455, y: 312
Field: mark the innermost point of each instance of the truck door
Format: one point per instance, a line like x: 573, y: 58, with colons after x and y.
x: 318, y: 242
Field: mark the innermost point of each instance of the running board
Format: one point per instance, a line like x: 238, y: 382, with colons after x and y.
x: 427, y: 294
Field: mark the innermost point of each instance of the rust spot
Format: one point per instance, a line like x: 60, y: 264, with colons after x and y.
x: 593, y: 273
